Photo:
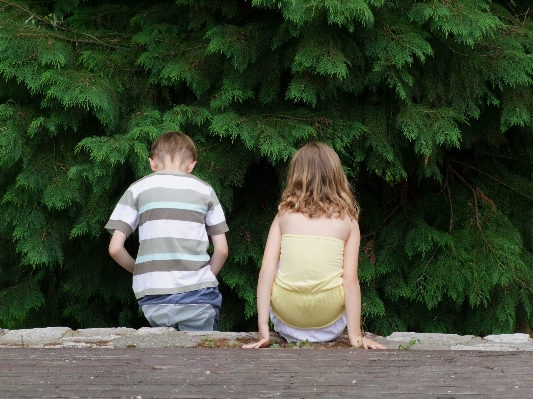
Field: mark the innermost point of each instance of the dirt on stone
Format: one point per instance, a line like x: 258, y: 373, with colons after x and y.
x: 276, y: 342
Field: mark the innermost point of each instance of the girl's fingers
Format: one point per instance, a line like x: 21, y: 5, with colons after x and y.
x: 255, y: 345
x: 374, y: 345
x: 367, y: 343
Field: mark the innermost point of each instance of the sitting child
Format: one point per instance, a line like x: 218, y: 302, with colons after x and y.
x: 308, y: 281
x: 173, y: 276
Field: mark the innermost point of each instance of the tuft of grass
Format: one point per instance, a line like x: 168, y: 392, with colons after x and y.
x: 409, y: 345
x: 209, y: 342
x: 299, y: 344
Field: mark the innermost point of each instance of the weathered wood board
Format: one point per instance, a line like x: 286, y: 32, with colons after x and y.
x: 265, y: 373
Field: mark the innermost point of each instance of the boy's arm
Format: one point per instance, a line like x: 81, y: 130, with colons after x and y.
x: 220, y: 253
x: 352, y: 291
x: 119, y: 253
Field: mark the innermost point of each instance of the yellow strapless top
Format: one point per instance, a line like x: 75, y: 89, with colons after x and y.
x: 307, y: 291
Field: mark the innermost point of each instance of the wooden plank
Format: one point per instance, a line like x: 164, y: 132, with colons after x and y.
x: 266, y: 373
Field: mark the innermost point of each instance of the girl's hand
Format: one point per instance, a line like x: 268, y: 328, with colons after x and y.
x: 265, y: 283
x: 366, y: 343
x: 255, y: 345
x: 264, y: 338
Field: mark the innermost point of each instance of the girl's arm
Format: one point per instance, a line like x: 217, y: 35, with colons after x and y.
x: 265, y: 283
x: 352, y: 291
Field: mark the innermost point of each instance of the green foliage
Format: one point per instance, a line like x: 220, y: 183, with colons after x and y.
x: 428, y: 103
x: 409, y: 345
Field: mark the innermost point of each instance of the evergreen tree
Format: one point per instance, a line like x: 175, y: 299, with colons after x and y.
x: 429, y: 104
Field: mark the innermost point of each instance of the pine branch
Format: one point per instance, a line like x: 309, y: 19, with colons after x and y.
x: 383, y: 223
x: 516, y: 15
x: 75, y: 40
x: 449, y: 198
x: 501, y: 156
x: 14, y: 287
x: 74, y: 32
x: 493, y: 178
x: 449, y: 48
x: 289, y: 117
x: 478, y: 223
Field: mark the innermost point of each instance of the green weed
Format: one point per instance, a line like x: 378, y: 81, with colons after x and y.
x: 409, y: 345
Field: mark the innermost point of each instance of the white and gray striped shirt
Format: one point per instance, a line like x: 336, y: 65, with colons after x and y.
x: 174, y: 212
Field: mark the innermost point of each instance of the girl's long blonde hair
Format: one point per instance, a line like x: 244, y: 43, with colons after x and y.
x: 317, y: 185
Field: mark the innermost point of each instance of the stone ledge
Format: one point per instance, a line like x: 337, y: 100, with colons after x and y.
x: 166, y: 337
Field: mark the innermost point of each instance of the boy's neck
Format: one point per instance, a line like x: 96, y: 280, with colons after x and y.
x: 172, y: 165
x: 172, y: 169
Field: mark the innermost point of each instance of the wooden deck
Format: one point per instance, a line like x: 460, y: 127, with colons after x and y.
x: 266, y: 373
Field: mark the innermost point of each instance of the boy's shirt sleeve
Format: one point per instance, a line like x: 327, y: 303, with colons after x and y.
x: 125, y: 217
x: 215, y: 221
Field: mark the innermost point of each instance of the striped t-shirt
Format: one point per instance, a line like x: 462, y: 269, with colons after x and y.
x: 175, y: 212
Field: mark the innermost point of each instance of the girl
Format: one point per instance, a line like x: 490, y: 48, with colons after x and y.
x: 308, y: 280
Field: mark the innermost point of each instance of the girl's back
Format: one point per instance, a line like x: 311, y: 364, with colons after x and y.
x: 299, y: 224
x: 310, y: 270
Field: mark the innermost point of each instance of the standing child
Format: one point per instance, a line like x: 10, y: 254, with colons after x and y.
x: 173, y: 276
x: 308, y: 280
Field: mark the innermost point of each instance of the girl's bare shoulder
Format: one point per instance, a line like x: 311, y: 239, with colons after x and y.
x: 298, y: 223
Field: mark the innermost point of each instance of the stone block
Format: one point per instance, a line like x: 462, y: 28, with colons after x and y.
x: 509, y: 338
x: 36, y: 337
x: 448, y: 339
x: 154, y: 330
x: 101, y: 337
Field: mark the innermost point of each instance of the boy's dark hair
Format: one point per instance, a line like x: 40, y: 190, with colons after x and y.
x: 173, y: 143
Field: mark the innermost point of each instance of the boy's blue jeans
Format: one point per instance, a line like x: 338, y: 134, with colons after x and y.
x: 188, y: 311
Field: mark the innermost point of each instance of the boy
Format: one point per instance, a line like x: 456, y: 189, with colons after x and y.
x: 173, y: 276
